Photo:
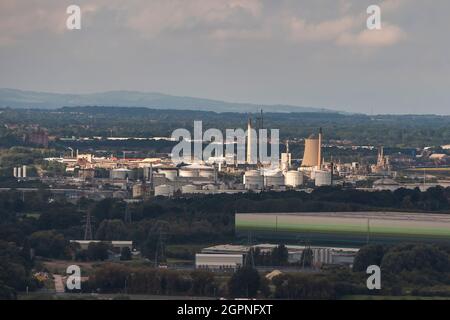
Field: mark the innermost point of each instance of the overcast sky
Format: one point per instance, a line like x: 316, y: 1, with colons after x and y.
x: 301, y: 52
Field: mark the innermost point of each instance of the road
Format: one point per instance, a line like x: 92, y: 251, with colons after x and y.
x: 59, y: 283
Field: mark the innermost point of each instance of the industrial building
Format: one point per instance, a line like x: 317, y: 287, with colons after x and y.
x: 119, y: 245
x: 346, y: 228
x: 219, y: 262
x: 321, y: 255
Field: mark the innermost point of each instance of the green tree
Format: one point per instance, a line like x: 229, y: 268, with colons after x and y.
x: 7, y: 293
x: 49, y: 244
x: 368, y: 255
x: 280, y: 255
x: 110, y: 230
x: 98, y: 251
x: 428, y: 258
x: 245, y: 282
x: 202, y: 283
x: 125, y: 254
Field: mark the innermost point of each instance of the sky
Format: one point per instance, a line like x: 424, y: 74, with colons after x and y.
x: 313, y: 53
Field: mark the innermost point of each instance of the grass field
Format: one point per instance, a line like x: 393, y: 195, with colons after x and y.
x: 352, y: 225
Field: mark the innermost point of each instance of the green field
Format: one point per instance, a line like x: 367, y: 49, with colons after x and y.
x: 347, y: 226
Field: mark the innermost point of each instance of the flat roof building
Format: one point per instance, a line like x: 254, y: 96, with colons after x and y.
x: 219, y: 261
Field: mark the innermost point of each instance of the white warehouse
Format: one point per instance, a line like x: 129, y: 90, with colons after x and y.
x: 219, y: 262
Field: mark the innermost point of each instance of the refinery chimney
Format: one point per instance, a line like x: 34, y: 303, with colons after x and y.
x: 249, y: 141
x: 319, y: 156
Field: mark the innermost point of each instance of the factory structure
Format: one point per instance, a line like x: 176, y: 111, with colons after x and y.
x: 285, y: 176
x: 140, y: 178
x: 229, y: 257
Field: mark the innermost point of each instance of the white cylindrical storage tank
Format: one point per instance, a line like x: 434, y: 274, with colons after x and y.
x: 189, y: 188
x: 322, y: 178
x: 274, y: 179
x: 24, y: 171
x: 15, y: 172
x: 19, y: 172
x: 294, y: 179
x: 164, y: 190
x: 188, y: 173
x: 253, y: 180
x: 169, y: 174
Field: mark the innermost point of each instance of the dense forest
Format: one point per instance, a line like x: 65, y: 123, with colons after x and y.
x: 389, y: 130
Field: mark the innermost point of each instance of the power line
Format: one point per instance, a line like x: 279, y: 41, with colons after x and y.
x: 88, y: 227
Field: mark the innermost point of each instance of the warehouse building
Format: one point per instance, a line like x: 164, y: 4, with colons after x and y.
x: 219, y: 261
x: 321, y: 255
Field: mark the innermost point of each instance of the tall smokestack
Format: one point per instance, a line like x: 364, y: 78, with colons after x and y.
x: 319, y: 156
x: 249, y: 140
x: 262, y: 119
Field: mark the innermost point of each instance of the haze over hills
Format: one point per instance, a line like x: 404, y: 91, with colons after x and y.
x: 43, y: 100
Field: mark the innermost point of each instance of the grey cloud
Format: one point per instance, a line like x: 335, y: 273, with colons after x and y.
x: 301, y: 52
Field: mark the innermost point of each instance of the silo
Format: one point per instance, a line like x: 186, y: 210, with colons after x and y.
x: 24, y: 171
x: 253, y: 180
x: 322, y: 178
x: 274, y: 179
x: 294, y: 179
x: 164, y: 190
x: 15, y: 172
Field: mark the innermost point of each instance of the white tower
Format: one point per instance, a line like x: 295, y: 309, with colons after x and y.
x: 249, y: 141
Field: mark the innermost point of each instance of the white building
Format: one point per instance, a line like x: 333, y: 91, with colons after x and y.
x: 219, y: 262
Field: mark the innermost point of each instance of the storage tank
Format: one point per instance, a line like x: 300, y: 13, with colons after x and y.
x: 121, y: 174
x: 188, y: 173
x: 164, y: 190
x: 253, y: 180
x: 294, y: 179
x: 274, y: 179
x: 322, y: 178
x: 189, y: 188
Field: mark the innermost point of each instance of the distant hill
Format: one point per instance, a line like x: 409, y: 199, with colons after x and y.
x: 42, y: 100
